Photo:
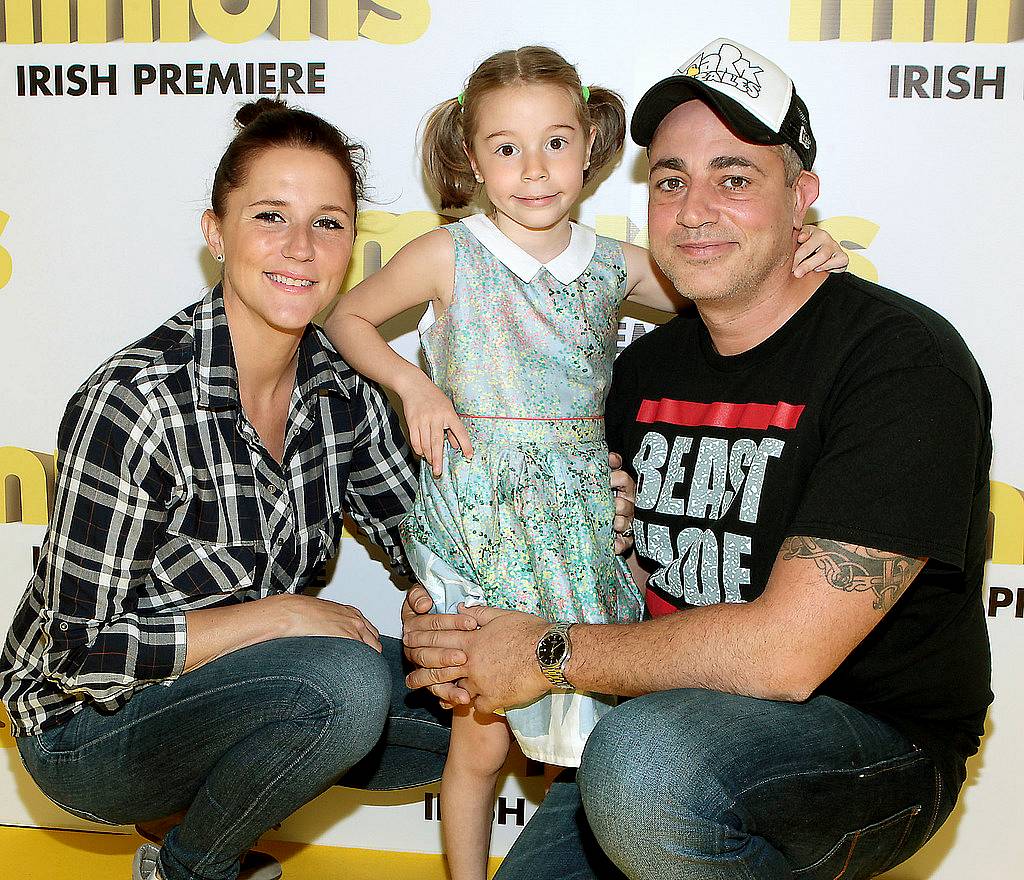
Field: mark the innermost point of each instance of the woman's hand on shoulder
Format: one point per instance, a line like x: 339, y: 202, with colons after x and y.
x: 819, y: 252
x: 432, y: 421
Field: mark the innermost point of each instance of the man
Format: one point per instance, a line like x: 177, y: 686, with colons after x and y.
x: 811, y: 458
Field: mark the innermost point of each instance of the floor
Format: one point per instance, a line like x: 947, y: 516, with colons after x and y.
x: 39, y: 854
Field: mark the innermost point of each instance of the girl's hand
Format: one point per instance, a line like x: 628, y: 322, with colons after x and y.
x: 432, y: 420
x: 818, y: 251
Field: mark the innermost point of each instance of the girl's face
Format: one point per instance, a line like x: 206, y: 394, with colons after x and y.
x: 531, y: 150
x: 286, y: 236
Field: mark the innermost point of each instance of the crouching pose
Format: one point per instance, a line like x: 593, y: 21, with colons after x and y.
x: 164, y: 657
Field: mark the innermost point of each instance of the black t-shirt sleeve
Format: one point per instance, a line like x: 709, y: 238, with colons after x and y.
x: 898, y: 469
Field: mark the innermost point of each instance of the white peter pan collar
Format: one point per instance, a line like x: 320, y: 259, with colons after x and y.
x: 566, y: 267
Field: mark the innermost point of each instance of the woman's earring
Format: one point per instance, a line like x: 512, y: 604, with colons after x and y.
x: 479, y: 177
x: 220, y: 258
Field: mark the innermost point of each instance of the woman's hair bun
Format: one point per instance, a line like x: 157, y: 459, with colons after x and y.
x: 250, y: 112
x: 269, y: 123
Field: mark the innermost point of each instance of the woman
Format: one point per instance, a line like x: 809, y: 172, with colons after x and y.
x: 204, y: 473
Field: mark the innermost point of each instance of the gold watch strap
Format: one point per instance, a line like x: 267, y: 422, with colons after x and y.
x: 553, y: 672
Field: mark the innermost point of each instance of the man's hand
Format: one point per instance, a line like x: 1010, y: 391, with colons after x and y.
x: 625, y: 494
x: 444, y: 665
x: 500, y: 669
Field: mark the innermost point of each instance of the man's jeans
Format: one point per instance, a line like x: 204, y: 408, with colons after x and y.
x: 242, y: 743
x: 702, y: 785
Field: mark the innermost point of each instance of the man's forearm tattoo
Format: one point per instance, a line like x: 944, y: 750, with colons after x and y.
x: 855, y: 569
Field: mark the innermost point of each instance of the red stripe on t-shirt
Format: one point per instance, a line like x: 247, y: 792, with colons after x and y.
x: 757, y: 416
x: 657, y: 606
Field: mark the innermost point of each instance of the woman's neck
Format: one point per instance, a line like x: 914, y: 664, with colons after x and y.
x: 265, y: 357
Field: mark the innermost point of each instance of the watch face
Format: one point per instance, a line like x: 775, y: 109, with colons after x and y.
x: 551, y: 649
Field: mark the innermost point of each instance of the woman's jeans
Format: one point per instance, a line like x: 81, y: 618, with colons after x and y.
x: 241, y: 743
x: 701, y: 785
x: 678, y: 785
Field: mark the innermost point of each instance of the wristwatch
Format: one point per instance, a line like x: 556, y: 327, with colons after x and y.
x: 553, y: 652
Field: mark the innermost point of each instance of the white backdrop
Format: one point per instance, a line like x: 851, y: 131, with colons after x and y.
x: 100, y: 196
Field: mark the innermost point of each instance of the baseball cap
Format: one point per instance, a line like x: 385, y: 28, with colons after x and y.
x: 751, y: 94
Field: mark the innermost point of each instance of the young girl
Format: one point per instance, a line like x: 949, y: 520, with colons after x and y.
x: 519, y: 337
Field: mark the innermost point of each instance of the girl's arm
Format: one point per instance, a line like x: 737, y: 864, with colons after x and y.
x: 817, y: 251
x: 647, y: 285
x: 422, y: 271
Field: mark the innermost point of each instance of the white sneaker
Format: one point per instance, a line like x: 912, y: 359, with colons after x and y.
x: 144, y: 865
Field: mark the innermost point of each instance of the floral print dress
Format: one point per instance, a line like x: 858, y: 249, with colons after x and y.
x: 525, y: 352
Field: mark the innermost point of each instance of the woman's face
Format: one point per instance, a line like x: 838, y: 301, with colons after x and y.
x: 286, y: 236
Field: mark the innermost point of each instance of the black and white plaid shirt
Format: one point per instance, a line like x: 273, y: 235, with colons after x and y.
x: 168, y: 502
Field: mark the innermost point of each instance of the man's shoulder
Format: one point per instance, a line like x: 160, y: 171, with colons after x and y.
x: 890, y: 331
x: 869, y: 309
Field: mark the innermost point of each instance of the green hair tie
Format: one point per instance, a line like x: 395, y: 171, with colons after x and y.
x: 461, y: 99
x: 586, y: 94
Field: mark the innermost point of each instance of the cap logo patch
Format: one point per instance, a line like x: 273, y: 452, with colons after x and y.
x: 728, y: 67
x: 805, y: 137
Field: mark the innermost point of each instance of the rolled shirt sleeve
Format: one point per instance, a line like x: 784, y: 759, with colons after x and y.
x: 100, y: 641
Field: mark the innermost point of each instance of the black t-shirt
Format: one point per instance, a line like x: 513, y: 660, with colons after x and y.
x: 864, y: 419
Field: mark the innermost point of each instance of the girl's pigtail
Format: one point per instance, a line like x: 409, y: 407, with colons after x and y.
x: 445, y: 162
x: 608, y: 114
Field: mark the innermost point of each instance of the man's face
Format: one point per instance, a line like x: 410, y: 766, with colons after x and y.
x: 721, y: 218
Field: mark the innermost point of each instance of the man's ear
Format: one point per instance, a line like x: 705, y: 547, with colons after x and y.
x: 805, y: 189
x: 211, y: 232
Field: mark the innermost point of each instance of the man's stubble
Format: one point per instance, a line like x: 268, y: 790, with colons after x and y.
x: 743, y: 283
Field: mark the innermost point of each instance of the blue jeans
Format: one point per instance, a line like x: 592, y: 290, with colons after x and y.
x: 701, y: 785
x: 241, y: 743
